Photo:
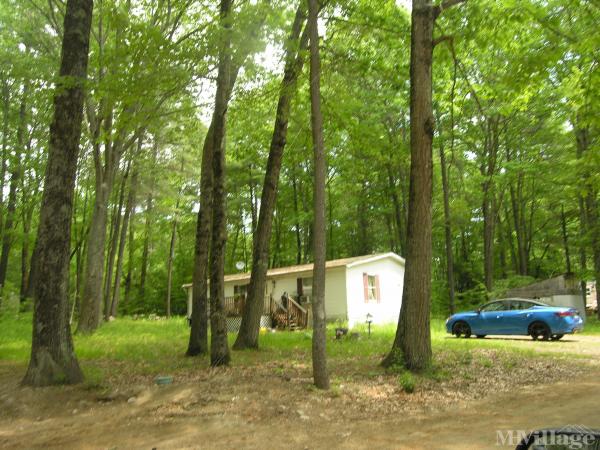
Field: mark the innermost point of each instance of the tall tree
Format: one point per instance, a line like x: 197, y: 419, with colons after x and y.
x: 219, y: 348
x: 129, y: 208
x: 198, y: 341
x: 413, y: 336
x: 52, y: 354
x: 249, y: 328
x: 15, y: 176
x: 319, y: 339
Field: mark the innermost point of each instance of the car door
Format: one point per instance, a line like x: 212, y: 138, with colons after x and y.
x: 523, y: 317
x: 491, y: 318
x: 513, y: 317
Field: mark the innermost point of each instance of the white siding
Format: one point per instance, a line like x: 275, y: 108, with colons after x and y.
x: 391, y: 281
x: 335, y: 290
x: 229, y: 287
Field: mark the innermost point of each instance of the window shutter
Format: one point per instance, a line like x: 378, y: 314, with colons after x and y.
x: 377, y: 290
x: 366, y: 287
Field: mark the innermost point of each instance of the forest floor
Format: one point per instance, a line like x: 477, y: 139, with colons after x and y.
x: 475, y: 388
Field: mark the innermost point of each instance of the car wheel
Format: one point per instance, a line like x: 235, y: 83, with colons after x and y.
x: 556, y: 337
x: 480, y: 336
x: 539, y: 331
x: 461, y: 328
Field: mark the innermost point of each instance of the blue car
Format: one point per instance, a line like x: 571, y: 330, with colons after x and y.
x: 516, y: 316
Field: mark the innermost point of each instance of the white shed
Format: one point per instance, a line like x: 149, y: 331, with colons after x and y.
x: 354, y: 287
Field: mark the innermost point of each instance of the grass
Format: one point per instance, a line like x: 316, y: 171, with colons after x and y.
x: 592, y: 325
x: 152, y: 347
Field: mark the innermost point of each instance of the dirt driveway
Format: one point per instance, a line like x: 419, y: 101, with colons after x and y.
x: 261, y: 410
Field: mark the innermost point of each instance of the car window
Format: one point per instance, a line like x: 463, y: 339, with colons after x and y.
x: 495, y: 306
x: 513, y: 305
x: 526, y: 305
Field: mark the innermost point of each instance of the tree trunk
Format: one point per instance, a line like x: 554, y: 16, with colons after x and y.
x: 593, y: 222
x: 129, y: 207
x: 91, y: 300
x: 198, y: 342
x: 565, y: 236
x: 130, y: 257
x: 519, y: 224
x: 249, y: 329
x: 297, y: 223
x: 446, y: 194
x: 15, y: 179
x: 319, y: 339
x: 171, y: 258
x: 113, y: 244
x: 398, y: 215
x: 413, y: 336
x: 27, y: 216
x: 489, y: 219
x: 447, y: 231
x: 148, y: 226
x: 5, y: 131
x: 52, y: 354
x: 588, y: 209
x: 219, y: 348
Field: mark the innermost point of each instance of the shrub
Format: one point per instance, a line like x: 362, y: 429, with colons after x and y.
x: 408, y: 382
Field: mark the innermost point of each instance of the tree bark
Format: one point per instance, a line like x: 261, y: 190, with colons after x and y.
x: 130, y: 206
x: 91, y: 301
x: 15, y: 180
x: 249, y: 328
x: 114, y: 244
x: 148, y: 225
x: 447, y: 231
x: 172, y: 256
x: 219, y: 347
x: 297, y: 222
x: 52, y: 354
x: 25, y: 257
x: 446, y: 195
x: 587, y: 205
x: 488, y: 207
x: 198, y: 342
x: 565, y: 236
x: 319, y: 339
x: 5, y: 131
x: 412, y: 344
x: 130, y: 257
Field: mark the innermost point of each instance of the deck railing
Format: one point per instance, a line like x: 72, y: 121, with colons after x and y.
x: 290, y: 315
x: 234, y: 306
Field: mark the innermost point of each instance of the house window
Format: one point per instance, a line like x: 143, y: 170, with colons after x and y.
x: 371, y: 288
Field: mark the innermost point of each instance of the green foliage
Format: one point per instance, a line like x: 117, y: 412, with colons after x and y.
x: 518, y: 77
x: 472, y: 298
x: 407, y: 382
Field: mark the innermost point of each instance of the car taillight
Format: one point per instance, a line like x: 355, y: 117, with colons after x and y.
x: 564, y: 313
